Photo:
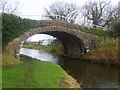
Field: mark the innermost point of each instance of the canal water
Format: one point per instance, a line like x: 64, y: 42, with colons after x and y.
x: 89, y: 75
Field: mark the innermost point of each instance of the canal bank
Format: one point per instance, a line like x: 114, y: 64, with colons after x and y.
x: 88, y: 74
x: 55, y: 49
x: 32, y: 73
x: 105, y: 53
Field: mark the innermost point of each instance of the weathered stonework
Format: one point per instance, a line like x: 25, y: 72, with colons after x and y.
x: 75, y: 42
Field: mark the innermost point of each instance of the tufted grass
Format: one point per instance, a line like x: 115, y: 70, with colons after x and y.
x: 8, y: 60
x: 33, y: 73
x: 106, y: 55
x: 107, y: 47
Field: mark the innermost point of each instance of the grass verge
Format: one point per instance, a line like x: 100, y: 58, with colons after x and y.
x: 33, y: 73
x: 56, y: 49
x: 107, y: 48
x: 106, y: 52
x: 8, y: 60
x: 106, y: 55
x: 49, y: 49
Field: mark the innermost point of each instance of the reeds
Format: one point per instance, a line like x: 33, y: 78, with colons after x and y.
x: 106, y: 52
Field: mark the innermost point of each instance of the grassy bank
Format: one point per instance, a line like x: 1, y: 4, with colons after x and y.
x: 107, y: 47
x: 8, y: 60
x: 106, y: 55
x: 58, y: 49
x: 32, y: 73
x: 49, y: 49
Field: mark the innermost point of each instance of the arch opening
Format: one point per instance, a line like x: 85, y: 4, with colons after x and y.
x: 72, y: 45
x: 41, y: 39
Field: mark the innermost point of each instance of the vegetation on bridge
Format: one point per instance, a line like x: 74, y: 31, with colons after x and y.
x: 99, y: 32
x: 14, y: 26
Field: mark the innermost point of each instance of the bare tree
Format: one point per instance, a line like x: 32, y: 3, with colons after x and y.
x: 62, y: 11
x: 112, y: 17
x: 95, y: 11
x: 6, y: 7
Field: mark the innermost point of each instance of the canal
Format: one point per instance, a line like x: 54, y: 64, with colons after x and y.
x: 89, y: 75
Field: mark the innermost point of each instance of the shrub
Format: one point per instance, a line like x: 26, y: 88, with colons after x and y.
x: 13, y: 26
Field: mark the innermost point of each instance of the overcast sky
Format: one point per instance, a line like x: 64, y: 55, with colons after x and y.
x: 34, y: 9
x: 38, y: 37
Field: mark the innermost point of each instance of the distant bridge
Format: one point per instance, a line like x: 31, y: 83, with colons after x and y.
x: 75, y: 41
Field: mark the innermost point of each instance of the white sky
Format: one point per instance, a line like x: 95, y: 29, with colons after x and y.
x: 34, y: 9
x: 38, y: 37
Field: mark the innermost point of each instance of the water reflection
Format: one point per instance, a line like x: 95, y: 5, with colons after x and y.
x: 89, y: 75
x: 39, y: 54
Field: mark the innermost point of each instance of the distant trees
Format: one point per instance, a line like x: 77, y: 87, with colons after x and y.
x: 100, y: 13
x: 62, y: 11
x: 96, y: 13
x: 6, y: 7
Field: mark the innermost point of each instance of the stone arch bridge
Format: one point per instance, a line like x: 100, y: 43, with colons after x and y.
x: 75, y: 41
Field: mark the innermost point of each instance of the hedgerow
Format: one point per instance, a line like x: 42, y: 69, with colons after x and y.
x: 13, y: 26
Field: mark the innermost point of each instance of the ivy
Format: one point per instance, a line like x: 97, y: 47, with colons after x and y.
x: 14, y: 26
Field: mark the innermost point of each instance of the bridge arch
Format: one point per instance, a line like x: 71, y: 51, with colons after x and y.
x: 75, y: 42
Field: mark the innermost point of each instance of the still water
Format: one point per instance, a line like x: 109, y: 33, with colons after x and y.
x: 89, y: 75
